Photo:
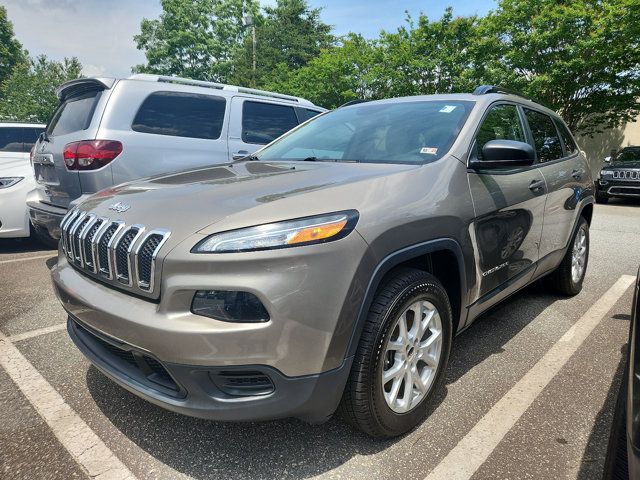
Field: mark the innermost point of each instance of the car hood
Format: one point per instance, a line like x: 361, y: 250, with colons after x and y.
x: 239, y: 195
x: 622, y: 165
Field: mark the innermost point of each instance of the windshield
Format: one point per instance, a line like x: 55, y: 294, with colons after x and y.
x: 628, y: 155
x: 403, y: 132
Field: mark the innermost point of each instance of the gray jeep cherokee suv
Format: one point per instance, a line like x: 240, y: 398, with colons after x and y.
x: 330, y: 270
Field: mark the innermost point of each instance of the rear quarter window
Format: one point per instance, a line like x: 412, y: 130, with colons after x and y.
x: 74, y: 114
x: 18, y: 139
x: 264, y: 122
x: 181, y: 115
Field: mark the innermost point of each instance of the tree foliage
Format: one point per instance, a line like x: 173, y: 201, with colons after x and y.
x: 29, y: 93
x: 580, y: 57
x: 288, y: 36
x: 11, y: 52
x: 194, y: 38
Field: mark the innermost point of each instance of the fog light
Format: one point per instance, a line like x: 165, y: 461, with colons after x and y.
x: 229, y: 306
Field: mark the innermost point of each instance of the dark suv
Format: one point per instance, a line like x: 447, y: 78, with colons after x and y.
x: 620, y: 177
x: 334, y: 266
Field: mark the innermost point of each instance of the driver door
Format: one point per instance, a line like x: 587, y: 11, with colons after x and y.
x: 509, y: 205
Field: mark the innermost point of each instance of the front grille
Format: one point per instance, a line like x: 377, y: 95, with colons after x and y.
x: 112, y: 251
x: 626, y: 174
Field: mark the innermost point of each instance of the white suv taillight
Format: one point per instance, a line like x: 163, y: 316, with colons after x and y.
x: 90, y: 154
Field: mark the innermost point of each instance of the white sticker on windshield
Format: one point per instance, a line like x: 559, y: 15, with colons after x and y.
x: 429, y: 150
x: 447, y: 109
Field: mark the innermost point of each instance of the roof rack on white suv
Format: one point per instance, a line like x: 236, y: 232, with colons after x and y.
x: 220, y: 86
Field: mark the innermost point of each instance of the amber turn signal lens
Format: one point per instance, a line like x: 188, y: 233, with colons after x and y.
x: 318, y: 232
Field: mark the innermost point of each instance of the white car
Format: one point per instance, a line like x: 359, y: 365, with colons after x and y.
x: 16, y: 176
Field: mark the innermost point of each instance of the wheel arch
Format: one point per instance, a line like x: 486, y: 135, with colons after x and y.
x: 433, y: 256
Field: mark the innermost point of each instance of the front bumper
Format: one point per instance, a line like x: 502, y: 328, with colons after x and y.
x: 616, y: 188
x: 240, y: 393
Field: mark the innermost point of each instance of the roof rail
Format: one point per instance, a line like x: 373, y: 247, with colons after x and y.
x: 486, y: 89
x: 219, y: 86
x: 354, y: 102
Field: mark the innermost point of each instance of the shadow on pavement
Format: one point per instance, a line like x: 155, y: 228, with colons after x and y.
x: 289, y: 448
x: 22, y: 245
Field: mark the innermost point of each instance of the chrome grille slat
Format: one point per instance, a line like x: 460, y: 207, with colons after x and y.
x: 117, y: 253
x: 122, y: 253
x: 77, y: 225
x: 145, y: 257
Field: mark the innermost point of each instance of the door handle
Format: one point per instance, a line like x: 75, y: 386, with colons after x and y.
x: 239, y: 154
x: 577, y: 174
x: 536, y: 185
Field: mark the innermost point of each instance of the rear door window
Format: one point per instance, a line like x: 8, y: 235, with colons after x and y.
x: 18, y: 139
x: 264, y: 122
x: 181, y: 115
x: 545, y: 136
x: 501, y: 123
x: 569, y: 144
x: 74, y: 114
x: 11, y: 139
x: 305, y: 114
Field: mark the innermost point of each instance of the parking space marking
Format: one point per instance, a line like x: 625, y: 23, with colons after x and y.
x: 24, y: 259
x: 474, y: 449
x: 36, y: 333
x: 74, y: 434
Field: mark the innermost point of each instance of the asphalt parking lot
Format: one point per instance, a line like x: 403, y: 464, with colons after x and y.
x: 529, y: 393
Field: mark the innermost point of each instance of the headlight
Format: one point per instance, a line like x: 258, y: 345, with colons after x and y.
x: 6, y: 182
x: 605, y: 173
x: 291, y: 233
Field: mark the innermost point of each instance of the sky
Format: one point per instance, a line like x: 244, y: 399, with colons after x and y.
x: 100, y: 32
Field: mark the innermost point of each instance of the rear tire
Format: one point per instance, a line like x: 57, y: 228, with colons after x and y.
x: 396, y: 350
x: 569, y: 275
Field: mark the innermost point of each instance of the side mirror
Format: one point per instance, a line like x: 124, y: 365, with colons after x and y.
x: 505, y: 154
x: 607, y: 159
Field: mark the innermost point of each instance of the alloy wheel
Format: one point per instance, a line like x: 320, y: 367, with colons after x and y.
x: 412, y: 356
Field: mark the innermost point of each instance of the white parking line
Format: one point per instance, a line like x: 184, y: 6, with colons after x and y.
x: 24, y: 259
x: 36, y: 333
x: 472, y: 451
x: 74, y: 434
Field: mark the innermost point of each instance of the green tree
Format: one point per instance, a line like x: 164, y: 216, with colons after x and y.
x: 290, y: 34
x: 340, y: 74
x: 11, y: 52
x: 579, y: 57
x: 29, y: 93
x: 194, y: 38
x: 430, y: 57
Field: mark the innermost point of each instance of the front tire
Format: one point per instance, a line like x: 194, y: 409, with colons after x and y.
x: 570, y: 273
x: 406, y: 340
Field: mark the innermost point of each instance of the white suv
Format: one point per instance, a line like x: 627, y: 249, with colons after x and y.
x: 16, y: 176
x: 107, y: 131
